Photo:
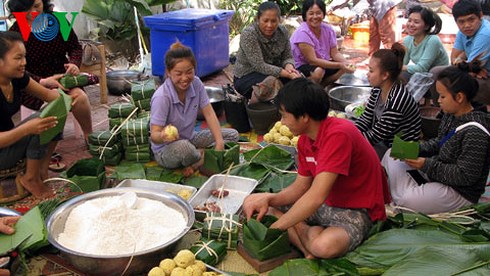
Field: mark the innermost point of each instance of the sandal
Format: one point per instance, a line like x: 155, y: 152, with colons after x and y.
x: 56, y: 157
x: 56, y: 166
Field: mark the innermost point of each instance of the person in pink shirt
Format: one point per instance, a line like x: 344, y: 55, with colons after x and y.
x: 314, y: 46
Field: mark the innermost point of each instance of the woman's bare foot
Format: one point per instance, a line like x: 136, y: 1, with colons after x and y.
x: 187, y: 171
x: 36, y: 188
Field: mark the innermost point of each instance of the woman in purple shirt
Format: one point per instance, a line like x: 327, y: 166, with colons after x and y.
x: 314, y: 46
x: 176, y: 103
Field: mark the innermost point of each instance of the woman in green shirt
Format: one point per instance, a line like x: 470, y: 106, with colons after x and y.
x: 424, y: 48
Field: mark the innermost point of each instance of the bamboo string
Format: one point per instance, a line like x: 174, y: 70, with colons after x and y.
x: 117, y: 130
x: 206, y: 246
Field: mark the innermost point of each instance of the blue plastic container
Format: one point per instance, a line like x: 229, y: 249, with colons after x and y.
x: 205, y: 31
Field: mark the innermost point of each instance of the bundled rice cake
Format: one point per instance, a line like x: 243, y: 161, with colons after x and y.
x: 222, y: 227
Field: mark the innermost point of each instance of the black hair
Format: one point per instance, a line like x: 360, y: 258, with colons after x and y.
x: 466, y: 7
x: 485, y: 7
x: 307, y: 4
x: 6, y: 40
x: 302, y: 96
x: 391, y: 60
x: 178, y: 52
x: 25, y: 5
x: 457, y: 80
x: 432, y: 21
x: 268, y: 5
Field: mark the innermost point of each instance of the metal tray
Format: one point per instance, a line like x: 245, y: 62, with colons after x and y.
x: 238, y: 187
x: 156, y: 186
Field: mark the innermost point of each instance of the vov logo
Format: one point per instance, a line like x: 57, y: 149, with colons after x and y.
x: 45, y: 26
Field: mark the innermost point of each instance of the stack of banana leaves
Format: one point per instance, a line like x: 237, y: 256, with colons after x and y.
x: 118, y: 112
x: 455, y: 243
x: 106, y: 145
x: 141, y: 93
x: 30, y: 236
x: 135, y: 133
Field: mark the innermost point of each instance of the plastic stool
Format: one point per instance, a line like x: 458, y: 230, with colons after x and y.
x: 77, y: 129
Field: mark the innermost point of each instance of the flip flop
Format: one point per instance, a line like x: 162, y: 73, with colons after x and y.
x: 57, y: 166
x: 56, y: 157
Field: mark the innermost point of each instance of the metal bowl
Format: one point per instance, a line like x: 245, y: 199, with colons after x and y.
x: 115, y: 264
x: 342, y: 96
x: 358, y: 78
x: 119, y: 81
x: 216, y: 98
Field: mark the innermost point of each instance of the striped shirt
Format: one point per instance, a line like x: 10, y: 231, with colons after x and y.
x: 462, y: 161
x: 401, y: 115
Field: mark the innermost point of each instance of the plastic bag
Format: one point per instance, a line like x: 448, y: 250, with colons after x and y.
x: 419, y: 84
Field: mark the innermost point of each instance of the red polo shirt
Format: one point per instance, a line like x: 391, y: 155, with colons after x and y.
x: 340, y: 148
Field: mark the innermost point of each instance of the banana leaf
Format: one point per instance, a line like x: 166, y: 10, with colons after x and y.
x: 113, y: 160
x: 270, y: 156
x: 195, y: 181
x: 30, y: 233
x: 144, y: 114
x: 391, y: 247
x: 111, y: 151
x: 262, y: 242
x: 433, y: 260
x: 471, y: 230
x: 70, y: 81
x: 120, y: 110
x: 135, y: 140
x: 144, y: 104
x: 135, y: 127
x: 209, y: 251
x: 142, y: 89
x: 162, y: 174
x: 251, y: 170
x: 404, y: 149
x: 88, y: 174
x: 135, y: 132
x: 276, y: 182
x: 305, y: 267
x: 58, y: 108
x: 129, y: 170
x: 101, y: 137
x: 218, y: 161
x: 222, y: 227
x: 115, y: 122
x: 140, y: 157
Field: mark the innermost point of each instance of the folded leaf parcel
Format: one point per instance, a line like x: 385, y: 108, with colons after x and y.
x: 222, y: 227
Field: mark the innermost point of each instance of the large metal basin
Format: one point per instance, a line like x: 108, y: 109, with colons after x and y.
x: 342, y: 96
x: 116, y: 264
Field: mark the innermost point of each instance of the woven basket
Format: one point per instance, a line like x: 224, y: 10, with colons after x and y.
x: 10, y: 190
